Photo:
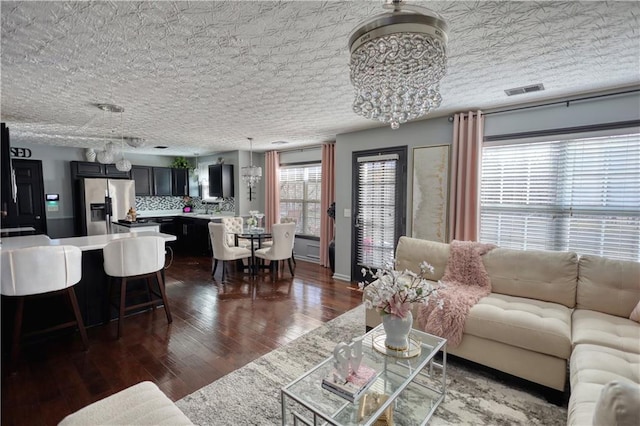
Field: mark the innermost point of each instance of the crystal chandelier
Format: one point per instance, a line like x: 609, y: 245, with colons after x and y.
x: 251, y: 174
x: 397, y: 61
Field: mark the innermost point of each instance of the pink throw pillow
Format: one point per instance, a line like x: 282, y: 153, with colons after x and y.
x: 635, y: 314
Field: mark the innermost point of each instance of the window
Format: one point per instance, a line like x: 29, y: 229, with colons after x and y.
x: 300, y: 197
x: 577, y: 195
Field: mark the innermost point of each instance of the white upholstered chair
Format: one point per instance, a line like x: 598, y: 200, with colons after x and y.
x: 284, y: 220
x: 221, y: 248
x: 41, y: 271
x: 137, y: 258
x: 235, y: 225
x: 283, y: 237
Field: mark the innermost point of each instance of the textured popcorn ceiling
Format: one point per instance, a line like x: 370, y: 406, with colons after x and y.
x: 203, y: 76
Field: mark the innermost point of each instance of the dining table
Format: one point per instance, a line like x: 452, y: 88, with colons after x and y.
x: 256, y: 236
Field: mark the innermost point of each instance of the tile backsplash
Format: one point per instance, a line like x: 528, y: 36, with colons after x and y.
x: 175, y: 203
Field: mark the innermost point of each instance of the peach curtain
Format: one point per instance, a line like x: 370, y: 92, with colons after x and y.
x: 327, y: 197
x: 271, y: 188
x: 466, y: 157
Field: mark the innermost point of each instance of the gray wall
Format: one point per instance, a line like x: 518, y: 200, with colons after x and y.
x: 421, y: 133
x: 439, y: 131
x: 57, y: 180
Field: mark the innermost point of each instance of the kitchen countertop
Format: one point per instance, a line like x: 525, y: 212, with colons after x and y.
x: 22, y: 229
x: 93, y: 242
x: 137, y: 224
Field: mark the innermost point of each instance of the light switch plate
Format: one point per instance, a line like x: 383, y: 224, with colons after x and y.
x: 347, y: 212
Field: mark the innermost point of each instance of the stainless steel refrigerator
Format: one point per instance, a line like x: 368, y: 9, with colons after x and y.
x: 103, y: 201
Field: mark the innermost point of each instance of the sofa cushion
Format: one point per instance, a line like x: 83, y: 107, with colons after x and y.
x: 526, y: 323
x: 592, y: 367
x: 608, y: 285
x: 601, y: 365
x: 618, y: 404
x: 543, y: 275
x: 410, y: 252
x: 606, y: 330
x: 582, y: 404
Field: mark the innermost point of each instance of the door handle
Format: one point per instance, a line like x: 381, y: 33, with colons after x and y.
x: 38, y: 217
x: 14, y: 185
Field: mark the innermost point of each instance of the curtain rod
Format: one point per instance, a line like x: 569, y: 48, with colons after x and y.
x: 567, y: 102
x: 301, y: 149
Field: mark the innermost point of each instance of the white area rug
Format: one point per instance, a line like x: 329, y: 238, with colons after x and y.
x: 251, y: 394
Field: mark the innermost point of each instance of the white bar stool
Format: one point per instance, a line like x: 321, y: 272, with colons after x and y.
x: 37, y: 272
x: 136, y: 258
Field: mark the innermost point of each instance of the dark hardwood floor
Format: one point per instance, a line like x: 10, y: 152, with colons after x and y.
x: 217, y: 328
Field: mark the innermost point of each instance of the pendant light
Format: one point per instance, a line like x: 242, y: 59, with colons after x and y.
x: 122, y: 164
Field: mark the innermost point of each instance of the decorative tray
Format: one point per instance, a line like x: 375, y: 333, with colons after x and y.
x: 412, y: 351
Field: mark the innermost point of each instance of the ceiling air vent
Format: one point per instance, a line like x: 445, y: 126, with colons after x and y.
x: 161, y: 147
x: 524, y: 89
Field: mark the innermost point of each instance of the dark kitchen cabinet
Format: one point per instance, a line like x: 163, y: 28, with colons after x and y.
x: 193, y: 236
x: 162, y: 181
x: 86, y: 169
x: 143, y: 176
x: 221, y: 180
x: 111, y: 172
x: 180, y: 180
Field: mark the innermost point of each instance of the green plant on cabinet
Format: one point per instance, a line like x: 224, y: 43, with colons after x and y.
x: 180, y: 163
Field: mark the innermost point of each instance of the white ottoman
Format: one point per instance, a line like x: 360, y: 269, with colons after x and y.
x: 141, y: 404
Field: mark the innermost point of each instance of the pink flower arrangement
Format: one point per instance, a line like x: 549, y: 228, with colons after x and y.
x: 393, y: 292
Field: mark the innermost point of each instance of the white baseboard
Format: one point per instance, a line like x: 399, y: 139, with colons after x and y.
x: 308, y: 259
x: 341, y: 277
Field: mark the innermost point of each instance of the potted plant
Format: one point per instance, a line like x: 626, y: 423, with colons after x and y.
x: 180, y: 163
x: 188, y: 204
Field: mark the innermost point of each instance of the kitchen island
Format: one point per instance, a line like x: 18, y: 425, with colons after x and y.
x: 191, y: 229
x: 92, y: 290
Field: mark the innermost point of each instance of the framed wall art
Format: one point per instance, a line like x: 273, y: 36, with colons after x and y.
x: 430, y: 201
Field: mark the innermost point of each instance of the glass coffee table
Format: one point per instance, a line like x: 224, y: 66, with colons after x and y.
x: 408, y: 389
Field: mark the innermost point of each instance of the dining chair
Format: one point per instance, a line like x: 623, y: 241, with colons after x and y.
x: 283, y: 237
x: 235, y: 225
x: 221, y: 248
x: 132, y: 259
x: 284, y: 220
x: 43, y: 271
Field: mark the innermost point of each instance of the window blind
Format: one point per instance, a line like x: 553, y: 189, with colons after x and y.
x: 376, y: 215
x: 300, y: 189
x: 581, y: 195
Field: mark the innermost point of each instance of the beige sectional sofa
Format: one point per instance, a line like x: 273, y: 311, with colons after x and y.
x: 545, y: 309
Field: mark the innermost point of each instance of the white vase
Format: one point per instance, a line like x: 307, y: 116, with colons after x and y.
x: 90, y: 154
x: 397, y: 331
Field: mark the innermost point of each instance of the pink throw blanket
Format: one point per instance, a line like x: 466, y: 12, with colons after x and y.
x: 466, y: 282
